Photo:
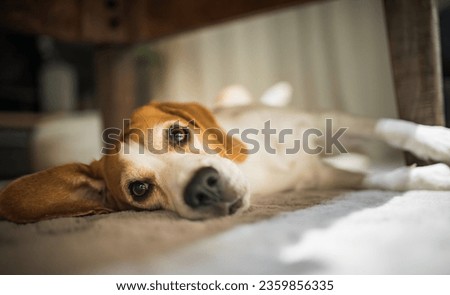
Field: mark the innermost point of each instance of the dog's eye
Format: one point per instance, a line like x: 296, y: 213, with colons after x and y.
x: 139, y: 189
x: 178, y: 135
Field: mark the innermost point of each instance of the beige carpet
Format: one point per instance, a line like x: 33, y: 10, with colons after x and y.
x: 91, y: 244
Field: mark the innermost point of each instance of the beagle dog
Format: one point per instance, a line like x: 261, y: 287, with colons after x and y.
x: 184, y: 158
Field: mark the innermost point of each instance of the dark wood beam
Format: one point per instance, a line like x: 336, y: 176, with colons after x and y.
x: 115, y: 80
x: 416, y: 63
x: 125, y: 21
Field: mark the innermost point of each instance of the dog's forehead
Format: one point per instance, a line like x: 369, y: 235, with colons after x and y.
x: 149, y: 117
x: 138, y: 163
x: 136, y: 155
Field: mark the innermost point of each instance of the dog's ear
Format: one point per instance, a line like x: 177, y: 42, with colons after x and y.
x: 232, y: 148
x: 68, y: 190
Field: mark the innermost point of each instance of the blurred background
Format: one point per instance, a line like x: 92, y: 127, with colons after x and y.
x: 335, y: 54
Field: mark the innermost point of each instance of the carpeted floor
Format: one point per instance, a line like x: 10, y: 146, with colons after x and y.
x: 307, y: 232
x: 86, y: 244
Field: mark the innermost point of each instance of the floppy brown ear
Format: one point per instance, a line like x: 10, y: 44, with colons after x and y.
x: 234, y: 149
x: 68, y: 190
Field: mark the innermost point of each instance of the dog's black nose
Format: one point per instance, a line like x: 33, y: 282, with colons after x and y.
x: 204, y: 189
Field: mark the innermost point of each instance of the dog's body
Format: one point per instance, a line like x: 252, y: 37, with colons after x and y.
x: 269, y: 173
x: 198, y: 185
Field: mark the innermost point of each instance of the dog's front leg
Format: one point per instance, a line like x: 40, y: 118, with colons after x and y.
x: 433, y: 177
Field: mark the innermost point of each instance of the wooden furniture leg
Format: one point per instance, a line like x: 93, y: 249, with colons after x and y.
x: 115, y: 81
x: 416, y: 62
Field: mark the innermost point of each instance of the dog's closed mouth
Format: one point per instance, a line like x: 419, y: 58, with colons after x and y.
x: 235, y: 207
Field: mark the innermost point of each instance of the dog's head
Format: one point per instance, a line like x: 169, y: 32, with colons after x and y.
x: 172, y: 156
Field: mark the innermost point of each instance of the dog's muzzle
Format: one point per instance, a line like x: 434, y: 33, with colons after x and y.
x: 207, y: 191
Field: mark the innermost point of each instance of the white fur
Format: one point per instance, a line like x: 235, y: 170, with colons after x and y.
x: 234, y: 95
x: 433, y: 177
x: 279, y: 95
x: 268, y: 173
x: 427, y: 142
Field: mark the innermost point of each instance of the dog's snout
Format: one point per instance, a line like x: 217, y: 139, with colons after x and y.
x: 204, y: 189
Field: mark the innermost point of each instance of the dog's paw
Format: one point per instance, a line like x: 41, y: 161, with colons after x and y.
x: 433, y: 177
x: 431, y: 142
